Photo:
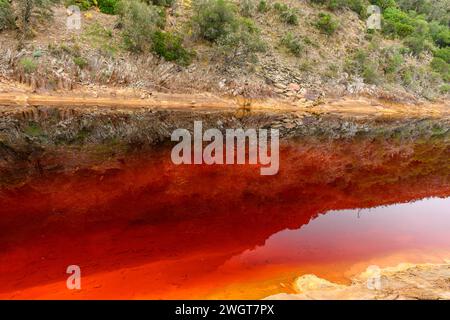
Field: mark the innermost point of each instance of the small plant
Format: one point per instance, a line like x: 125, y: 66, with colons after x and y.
x: 108, y: 6
x: 326, y: 23
x: 441, y: 67
x: 241, y: 45
x: 289, y: 17
x: 6, y: 15
x: 247, y: 8
x: 287, y: 14
x: 293, y: 44
x: 170, y: 47
x: 28, y: 65
x: 280, y: 7
x: 139, y: 21
x: 162, y: 3
x: 445, y: 88
x: 80, y: 62
x: 214, y: 19
x: 263, y: 6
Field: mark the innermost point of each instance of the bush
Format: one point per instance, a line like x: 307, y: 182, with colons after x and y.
x: 82, y: 4
x: 443, y: 53
x: 326, y: 23
x: 287, y: 14
x: 170, y: 47
x: 241, y: 45
x: 263, y: 6
x: 139, y: 21
x: 214, y: 19
x: 80, y: 62
x: 162, y: 3
x: 445, y: 89
x: 292, y: 44
x: 108, y: 6
x: 441, y: 67
x: 362, y: 65
x: 28, y: 65
x: 440, y: 34
x: 397, y: 23
x: 384, y: 4
x: 6, y: 15
x: 247, y: 8
x: 237, y: 38
x: 393, y: 60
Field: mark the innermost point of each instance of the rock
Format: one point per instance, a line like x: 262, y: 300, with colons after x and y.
x: 294, y: 87
x: 405, y: 281
x: 279, y: 85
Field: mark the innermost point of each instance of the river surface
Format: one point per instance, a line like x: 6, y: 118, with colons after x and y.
x: 141, y: 227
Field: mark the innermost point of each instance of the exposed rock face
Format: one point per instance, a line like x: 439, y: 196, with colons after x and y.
x: 405, y: 281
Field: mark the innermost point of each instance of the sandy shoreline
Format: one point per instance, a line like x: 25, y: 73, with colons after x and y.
x: 405, y: 281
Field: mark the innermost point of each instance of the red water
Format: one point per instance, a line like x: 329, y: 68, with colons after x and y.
x: 145, y: 228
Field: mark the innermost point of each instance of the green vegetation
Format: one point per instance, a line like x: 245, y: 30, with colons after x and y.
x: 287, y: 15
x: 28, y: 65
x: 217, y: 21
x: 263, y: 6
x: 293, y: 44
x: 247, y: 8
x: 170, y: 47
x: 326, y: 23
x: 108, y: 6
x: 6, y: 15
x: 80, y: 62
x: 139, y: 21
x: 162, y: 3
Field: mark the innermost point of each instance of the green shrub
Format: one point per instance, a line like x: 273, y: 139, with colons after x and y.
x: 237, y: 38
x: 82, y: 4
x: 441, y: 67
x: 397, y: 23
x: 384, y: 4
x: 263, y: 6
x: 139, y: 21
x: 287, y: 14
x: 170, y: 47
x: 162, y: 3
x: 293, y: 44
x: 326, y: 23
x: 393, y: 60
x: 361, y: 64
x: 247, y: 8
x: 214, y: 19
x: 28, y: 65
x: 443, y: 53
x: 445, y: 88
x: 108, y: 6
x: 241, y: 45
x: 280, y: 7
x: 289, y: 17
x: 80, y: 62
x: 440, y: 34
x: 6, y: 15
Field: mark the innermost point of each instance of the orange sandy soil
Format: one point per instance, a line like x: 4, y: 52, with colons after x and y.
x: 149, y: 229
x: 352, y: 106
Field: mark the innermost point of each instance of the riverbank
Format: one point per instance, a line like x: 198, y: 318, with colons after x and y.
x: 405, y: 281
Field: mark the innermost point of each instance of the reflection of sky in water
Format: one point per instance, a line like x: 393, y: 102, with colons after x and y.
x: 345, y: 234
